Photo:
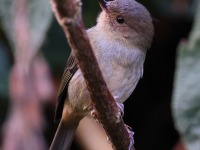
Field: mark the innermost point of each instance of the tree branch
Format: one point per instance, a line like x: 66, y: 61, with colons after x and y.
x: 68, y: 14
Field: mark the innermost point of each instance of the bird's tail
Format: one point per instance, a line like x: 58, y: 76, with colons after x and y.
x: 64, y: 135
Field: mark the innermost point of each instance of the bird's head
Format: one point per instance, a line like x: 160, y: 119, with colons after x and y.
x: 127, y: 20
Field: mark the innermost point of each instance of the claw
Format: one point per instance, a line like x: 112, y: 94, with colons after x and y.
x: 94, y: 115
x: 121, y: 108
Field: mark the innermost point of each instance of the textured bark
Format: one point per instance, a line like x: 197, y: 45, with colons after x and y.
x: 68, y: 14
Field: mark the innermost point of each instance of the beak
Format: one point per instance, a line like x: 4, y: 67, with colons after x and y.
x: 103, y: 4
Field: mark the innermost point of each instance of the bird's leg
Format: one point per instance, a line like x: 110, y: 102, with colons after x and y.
x: 120, y: 106
x: 128, y: 128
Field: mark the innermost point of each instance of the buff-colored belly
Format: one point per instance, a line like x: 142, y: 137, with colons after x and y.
x: 120, y: 81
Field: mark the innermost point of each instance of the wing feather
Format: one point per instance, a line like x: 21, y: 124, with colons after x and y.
x: 71, y: 68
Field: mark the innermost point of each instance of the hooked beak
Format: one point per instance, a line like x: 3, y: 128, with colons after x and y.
x: 103, y: 4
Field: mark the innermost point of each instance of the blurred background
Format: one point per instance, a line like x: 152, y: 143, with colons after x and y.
x: 164, y: 109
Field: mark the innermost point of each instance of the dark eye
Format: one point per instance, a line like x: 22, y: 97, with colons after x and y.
x: 120, y: 20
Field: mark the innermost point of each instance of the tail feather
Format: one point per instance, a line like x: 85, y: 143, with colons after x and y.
x: 64, y: 135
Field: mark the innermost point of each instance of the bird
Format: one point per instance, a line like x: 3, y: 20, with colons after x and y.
x: 120, y: 40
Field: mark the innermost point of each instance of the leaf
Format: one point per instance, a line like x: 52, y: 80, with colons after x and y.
x: 38, y: 15
x: 186, y: 97
x: 4, y: 70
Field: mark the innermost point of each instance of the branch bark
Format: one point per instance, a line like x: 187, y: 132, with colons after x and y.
x: 68, y: 14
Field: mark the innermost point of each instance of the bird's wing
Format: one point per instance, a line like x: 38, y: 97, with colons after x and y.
x: 71, y: 68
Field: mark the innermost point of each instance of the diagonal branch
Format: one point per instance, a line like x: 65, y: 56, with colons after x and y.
x: 68, y: 14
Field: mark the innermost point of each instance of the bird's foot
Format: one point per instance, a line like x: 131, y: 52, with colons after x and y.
x: 121, y: 108
x: 94, y: 115
x: 131, y: 133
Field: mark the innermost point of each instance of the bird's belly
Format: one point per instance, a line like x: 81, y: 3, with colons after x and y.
x: 120, y: 81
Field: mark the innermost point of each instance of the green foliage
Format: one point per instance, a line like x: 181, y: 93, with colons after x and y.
x: 39, y: 17
x: 4, y: 70
x: 55, y: 47
x: 186, y: 104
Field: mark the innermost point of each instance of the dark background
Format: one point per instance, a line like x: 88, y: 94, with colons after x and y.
x: 148, y: 110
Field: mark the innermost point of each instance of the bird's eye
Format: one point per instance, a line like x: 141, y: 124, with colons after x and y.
x: 120, y: 20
